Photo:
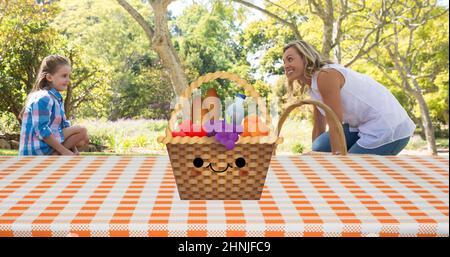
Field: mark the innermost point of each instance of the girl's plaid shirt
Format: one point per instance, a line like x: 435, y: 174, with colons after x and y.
x: 43, y: 116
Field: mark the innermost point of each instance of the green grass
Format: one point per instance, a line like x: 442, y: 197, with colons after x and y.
x: 16, y: 152
x: 295, y: 133
x: 416, y: 143
x: 8, y: 152
x: 442, y: 143
x: 116, y: 154
x: 127, y: 136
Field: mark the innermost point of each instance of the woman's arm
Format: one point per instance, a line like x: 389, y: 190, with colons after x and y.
x: 319, y: 124
x: 329, y: 83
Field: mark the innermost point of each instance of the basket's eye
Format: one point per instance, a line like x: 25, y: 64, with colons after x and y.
x: 198, y: 162
x: 240, y: 162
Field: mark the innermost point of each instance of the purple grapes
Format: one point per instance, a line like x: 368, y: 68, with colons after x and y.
x: 227, y: 139
x: 226, y: 134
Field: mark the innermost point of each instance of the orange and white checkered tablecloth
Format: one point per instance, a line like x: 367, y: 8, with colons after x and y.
x: 303, y: 196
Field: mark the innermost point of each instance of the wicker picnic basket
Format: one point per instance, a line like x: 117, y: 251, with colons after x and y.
x: 210, y: 182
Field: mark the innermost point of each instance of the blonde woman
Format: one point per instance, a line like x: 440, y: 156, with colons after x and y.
x: 374, y: 122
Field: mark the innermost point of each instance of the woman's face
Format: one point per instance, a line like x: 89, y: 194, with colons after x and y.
x: 293, y: 64
x: 61, y: 78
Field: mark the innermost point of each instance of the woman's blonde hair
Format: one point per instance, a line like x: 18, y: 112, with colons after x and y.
x: 314, y: 61
x: 49, y: 65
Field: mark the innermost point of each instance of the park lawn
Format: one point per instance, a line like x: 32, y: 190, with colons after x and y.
x: 416, y: 144
x: 6, y: 152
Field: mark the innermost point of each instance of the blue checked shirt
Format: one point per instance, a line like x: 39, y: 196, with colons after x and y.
x: 43, y: 116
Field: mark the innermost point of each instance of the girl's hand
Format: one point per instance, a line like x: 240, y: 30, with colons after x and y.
x: 54, y: 143
x: 67, y: 152
x: 75, y: 151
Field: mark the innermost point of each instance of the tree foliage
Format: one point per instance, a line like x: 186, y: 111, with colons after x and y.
x: 25, y: 39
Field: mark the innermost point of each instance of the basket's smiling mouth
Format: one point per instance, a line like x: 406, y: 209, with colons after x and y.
x: 218, y: 171
x: 198, y: 163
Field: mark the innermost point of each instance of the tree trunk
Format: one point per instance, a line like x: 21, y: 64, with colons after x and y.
x: 337, y: 51
x: 328, y: 28
x: 161, y: 42
x: 327, y: 37
x: 446, y: 117
x: 422, y: 129
x: 427, y: 124
x: 67, y: 102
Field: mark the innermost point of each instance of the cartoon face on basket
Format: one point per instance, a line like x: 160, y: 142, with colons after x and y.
x: 200, y: 163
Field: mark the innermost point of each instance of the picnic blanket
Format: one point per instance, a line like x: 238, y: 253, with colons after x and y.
x: 306, y: 195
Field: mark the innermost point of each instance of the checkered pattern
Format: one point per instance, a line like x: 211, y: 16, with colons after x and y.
x: 236, y: 183
x: 303, y: 196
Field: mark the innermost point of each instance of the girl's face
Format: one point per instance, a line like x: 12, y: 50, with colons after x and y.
x: 61, y: 78
x: 294, y: 65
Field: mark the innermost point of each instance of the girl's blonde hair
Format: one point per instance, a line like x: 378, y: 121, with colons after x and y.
x: 49, y: 65
x: 314, y: 61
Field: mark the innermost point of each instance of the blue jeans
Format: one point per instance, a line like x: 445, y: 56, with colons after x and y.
x: 322, y: 144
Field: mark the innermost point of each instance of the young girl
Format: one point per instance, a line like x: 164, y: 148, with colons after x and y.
x: 374, y: 122
x: 45, y: 129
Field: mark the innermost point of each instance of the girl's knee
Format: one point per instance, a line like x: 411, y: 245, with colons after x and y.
x: 82, y: 130
x: 84, y: 141
x: 86, y: 136
x: 81, y: 136
x: 77, y: 129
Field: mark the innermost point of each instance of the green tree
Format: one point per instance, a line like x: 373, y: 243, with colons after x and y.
x: 406, y: 46
x: 416, y: 56
x: 113, y: 40
x: 157, y: 32
x: 25, y: 39
x: 208, y: 39
x: 331, y: 19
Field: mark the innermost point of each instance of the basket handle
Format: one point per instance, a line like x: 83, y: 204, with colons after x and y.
x: 207, y: 78
x: 342, y: 145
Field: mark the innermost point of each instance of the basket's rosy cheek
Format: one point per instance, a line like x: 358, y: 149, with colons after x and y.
x: 195, y: 173
x: 198, y: 163
x: 243, y: 173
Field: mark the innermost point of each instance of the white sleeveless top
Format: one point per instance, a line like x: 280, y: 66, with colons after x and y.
x: 369, y: 109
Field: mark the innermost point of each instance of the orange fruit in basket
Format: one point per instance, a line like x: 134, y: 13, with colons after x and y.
x: 254, y: 127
